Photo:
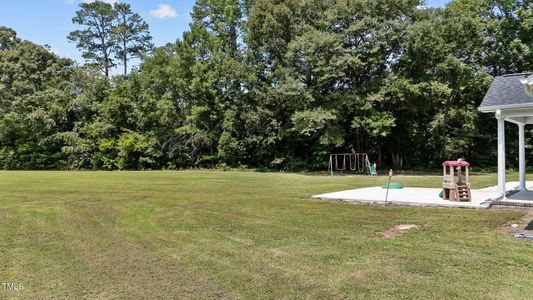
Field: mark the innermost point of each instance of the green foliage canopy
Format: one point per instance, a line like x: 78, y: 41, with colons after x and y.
x: 265, y: 84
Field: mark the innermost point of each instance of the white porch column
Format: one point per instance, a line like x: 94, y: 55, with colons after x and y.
x: 501, y: 152
x: 522, y: 157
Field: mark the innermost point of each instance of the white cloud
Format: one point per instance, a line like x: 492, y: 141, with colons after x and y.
x: 164, y: 11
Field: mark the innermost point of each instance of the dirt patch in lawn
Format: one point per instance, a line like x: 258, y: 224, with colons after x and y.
x: 396, y: 230
x: 523, y: 224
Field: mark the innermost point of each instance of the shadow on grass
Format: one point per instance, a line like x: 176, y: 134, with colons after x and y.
x: 529, y: 226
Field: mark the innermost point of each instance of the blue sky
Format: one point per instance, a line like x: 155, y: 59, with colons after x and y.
x: 49, y: 21
x: 436, y: 3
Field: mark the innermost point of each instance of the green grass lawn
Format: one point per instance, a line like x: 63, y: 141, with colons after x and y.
x: 245, y: 235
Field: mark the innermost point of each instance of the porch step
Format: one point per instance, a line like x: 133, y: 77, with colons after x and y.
x: 511, y: 203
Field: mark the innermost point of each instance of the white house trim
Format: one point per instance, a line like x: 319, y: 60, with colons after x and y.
x: 501, y: 152
x: 510, y: 98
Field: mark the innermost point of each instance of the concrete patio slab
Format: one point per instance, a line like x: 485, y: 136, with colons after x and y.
x: 481, y: 198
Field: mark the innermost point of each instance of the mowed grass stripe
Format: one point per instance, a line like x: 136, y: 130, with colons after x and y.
x: 214, y: 234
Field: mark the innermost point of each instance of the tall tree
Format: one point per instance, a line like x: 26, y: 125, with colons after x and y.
x: 35, y: 93
x: 223, y: 18
x: 131, y: 34
x: 96, y: 39
x: 8, y: 38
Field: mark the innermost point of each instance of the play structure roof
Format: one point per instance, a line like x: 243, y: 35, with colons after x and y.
x: 455, y: 163
x: 506, y: 91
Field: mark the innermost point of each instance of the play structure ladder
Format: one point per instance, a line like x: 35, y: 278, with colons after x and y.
x: 463, y: 193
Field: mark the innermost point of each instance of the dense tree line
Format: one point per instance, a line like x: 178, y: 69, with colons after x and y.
x: 266, y: 84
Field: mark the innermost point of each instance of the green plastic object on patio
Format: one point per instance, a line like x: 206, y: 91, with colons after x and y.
x: 393, y: 186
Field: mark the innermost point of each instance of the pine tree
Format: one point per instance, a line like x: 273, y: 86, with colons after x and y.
x: 96, y: 39
x: 131, y: 35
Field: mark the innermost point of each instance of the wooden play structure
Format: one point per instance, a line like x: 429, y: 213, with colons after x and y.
x: 456, y: 190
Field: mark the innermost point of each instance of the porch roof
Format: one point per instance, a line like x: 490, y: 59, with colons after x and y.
x: 510, y: 98
x: 507, y: 93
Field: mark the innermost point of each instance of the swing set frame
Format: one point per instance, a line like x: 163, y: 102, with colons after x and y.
x: 351, y: 162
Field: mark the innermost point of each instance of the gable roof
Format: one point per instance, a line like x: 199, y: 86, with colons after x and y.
x: 506, y: 92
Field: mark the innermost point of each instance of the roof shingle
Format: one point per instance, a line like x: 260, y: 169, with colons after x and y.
x: 506, y: 90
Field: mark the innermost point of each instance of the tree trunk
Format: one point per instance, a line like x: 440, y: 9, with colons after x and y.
x: 379, y: 155
x: 106, y: 64
x: 393, y: 157
x: 397, y: 159
x: 106, y: 58
x: 103, y: 38
x: 125, y: 53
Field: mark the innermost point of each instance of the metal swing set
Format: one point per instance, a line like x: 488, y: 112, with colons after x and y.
x: 354, y: 162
